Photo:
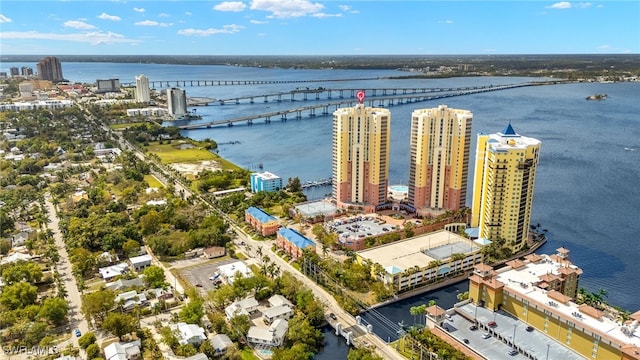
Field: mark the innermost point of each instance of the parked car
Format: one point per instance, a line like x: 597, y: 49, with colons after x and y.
x: 333, y: 316
x: 513, y: 352
x: 78, y: 333
x: 492, y: 324
x: 529, y: 328
x: 466, y: 341
x: 473, y: 327
x: 486, y: 335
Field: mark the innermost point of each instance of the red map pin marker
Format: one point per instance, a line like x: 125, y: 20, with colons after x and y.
x: 360, y: 96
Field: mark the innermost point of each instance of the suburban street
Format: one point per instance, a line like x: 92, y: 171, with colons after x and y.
x: 76, y: 318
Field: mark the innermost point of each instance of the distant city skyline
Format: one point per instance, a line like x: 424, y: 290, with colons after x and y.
x: 302, y: 27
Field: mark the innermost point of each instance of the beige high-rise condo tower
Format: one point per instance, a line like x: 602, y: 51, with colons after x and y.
x: 361, y: 137
x: 439, y: 159
x: 505, y: 173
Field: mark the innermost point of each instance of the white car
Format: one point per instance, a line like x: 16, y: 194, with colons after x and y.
x: 486, y: 335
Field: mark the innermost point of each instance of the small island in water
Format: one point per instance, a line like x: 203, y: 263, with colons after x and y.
x: 597, y: 97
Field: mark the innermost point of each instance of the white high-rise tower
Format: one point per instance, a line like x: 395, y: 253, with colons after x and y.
x: 142, y: 89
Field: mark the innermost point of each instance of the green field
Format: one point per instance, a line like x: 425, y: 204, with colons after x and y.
x: 125, y: 125
x: 171, y: 153
x: 153, y: 182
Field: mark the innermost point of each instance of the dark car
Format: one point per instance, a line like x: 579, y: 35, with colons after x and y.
x: 492, y: 324
x: 529, y: 328
x: 466, y: 341
x: 77, y: 332
x: 473, y: 327
x: 333, y: 316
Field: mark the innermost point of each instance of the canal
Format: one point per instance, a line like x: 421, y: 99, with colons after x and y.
x: 387, y: 320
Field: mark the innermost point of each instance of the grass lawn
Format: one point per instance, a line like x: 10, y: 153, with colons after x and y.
x: 125, y: 125
x: 247, y: 354
x: 153, y: 181
x: 171, y: 153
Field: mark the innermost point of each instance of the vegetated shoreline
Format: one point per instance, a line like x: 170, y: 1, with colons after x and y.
x: 514, y: 62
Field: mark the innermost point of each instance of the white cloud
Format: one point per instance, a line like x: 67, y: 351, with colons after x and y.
x: 4, y: 19
x: 76, y: 24
x: 188, y: 13
x: 152, y: 23
x: 140, y: 10
x: 287, y: 9
x: 227, y: 29
x: 560, y: 5
x: 258, y: 22
x: 94, y: 37
x: 344, y: 7
x: 323, y: 15
x: 233, y: 6
x: 163, y: 15
x: 583, y: 5
x: 105, y: 16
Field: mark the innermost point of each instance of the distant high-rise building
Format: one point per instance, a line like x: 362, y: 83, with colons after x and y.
x: 142, y: 89
x: 505, y: 172
x: 14, y: 71
x: 439, y: 158
x: 50, y: 69
x: 177, y: 102
x: 26, y: 71
x: 361, y: 138
x: 108, y: 85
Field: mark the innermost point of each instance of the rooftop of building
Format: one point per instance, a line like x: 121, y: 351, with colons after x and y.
x: 294, y: 237
x: 509, y: 139
x: 260, y: 215
x: 525, y: 278
x: 419, y: 250
x: 266, y: 175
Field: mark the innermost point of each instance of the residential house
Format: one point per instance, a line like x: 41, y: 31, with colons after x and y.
x: 140, y: 263
x: 293, y: 243
x: 221, y: 343
x: 261, y: 221
x: 245, y: 306
x: 278, y: 312
x: 189, y: 333
x: 19, y: 239
x: 130, y: 299
x: 214, y: 252
x: 279, y: 300
x: 273, y: 336
x: 123, y: 351
x: 112, y: 271
x: 123, y: 284
x: 16, y: 256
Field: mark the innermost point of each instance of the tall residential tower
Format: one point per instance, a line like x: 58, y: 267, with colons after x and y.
x: 503, y: 182
x: 177, y: 102
x: 50, y: 69
x: 142, y: 89
x: 361, y: 137
x: 439, y: 159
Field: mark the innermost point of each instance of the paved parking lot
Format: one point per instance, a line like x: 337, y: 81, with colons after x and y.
x: 359, y: 227
x: 530, y: 344
x: 199, y: 274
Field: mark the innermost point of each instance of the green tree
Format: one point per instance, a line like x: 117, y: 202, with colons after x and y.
x: 22, y: 271
x: 362, y: 354
x: 295, y: 352
x: 87, y: 339
x: 98, y: 304
x: 36, y: 331
x: 192, y: 312
x: 155, y: 276
x: 93, y: 351
x: 18, y: 295
x: 55, y: 310
x: 131, y: 247
x: 120, y: 324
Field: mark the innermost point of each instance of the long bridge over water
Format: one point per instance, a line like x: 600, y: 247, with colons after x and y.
x: 415, y: 95
x: 185, y: 83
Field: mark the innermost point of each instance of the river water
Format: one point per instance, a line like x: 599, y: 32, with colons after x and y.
x: 586, y: 192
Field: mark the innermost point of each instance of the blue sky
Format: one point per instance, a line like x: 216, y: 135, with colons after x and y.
x: 303, y: 27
